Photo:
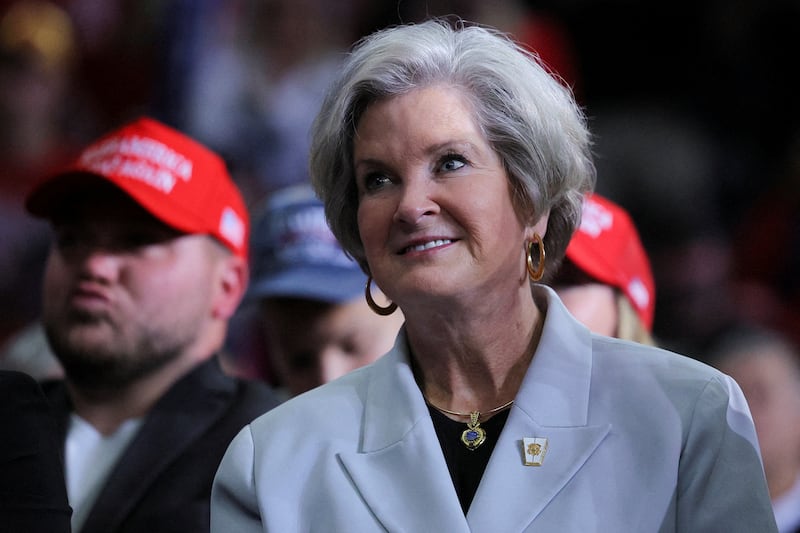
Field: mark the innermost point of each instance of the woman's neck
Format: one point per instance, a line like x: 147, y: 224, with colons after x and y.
x: 474, y: 363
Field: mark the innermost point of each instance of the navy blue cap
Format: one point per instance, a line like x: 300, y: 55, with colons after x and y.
x: 295, y: 255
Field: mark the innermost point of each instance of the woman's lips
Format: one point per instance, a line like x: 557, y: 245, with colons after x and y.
x: 427, y: 245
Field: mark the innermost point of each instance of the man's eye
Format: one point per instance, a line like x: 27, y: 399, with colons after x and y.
x: 142, y: 239
x: 66, y: 239
x: 302, y: 361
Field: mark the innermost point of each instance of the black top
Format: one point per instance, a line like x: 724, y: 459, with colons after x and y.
x: 466, y: 466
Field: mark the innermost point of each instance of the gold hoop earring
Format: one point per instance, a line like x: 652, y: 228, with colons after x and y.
x: 383, y: 311
x: 536, y: 273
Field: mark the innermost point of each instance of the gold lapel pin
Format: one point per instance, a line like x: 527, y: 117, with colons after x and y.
x: 534, y: 449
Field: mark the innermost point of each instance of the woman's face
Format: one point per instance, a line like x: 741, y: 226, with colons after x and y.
x: 435, y: 213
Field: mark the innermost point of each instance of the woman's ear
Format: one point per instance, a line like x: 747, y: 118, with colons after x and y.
x: 538, y: 227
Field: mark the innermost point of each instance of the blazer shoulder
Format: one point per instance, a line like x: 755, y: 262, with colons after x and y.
x: 622, y: 354
x: 624, y: 369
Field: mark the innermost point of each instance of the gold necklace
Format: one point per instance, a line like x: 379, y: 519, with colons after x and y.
x: 474, y: 435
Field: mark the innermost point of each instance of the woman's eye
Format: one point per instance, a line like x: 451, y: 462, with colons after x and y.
x: 375, y: 181
x: 453, y: 162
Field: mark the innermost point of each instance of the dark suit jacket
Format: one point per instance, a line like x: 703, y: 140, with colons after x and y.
x: 33, y: 495
x: 162, y: 483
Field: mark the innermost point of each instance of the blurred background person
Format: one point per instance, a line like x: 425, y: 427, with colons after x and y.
x: 310, y: 296
x: 605, y: 279
x: 148, y: 263
x: 38, y: 55
x: 258, y: 79
x: 684, y: 159
x: 766, y: 252
x: 766, y: 365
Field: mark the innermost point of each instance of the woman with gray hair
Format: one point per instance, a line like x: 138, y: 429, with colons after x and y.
x: 452, y: 167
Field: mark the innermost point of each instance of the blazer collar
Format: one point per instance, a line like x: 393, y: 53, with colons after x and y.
x: 553, y: 403
x: 555, y: 390
x: 400, y: 446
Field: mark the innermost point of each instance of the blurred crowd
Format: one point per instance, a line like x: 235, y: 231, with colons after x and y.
x: 693, y: 240
x: 692, y: 105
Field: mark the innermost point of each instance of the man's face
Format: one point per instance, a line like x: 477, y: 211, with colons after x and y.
x: 314, y: 342
x: 124, y: 294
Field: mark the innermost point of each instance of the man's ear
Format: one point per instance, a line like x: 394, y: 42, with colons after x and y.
x: 232, y: 279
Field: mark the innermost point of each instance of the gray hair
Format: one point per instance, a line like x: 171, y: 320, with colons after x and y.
x: 528, y: 117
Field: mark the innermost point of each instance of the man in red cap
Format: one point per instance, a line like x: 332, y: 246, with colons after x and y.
x: 148, y: 264
x: 605, y: 279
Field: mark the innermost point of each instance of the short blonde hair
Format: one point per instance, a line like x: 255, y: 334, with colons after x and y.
x: 629, y: 325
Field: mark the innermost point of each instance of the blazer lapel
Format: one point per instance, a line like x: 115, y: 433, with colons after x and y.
x: 400, y: 445
x: 511, y: 495
x: 177, y: 420
x: 400, y: 448
x: 552, y: 403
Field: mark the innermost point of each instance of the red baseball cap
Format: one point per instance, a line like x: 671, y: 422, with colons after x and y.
x: 176, y: 179
x: 607, y: 248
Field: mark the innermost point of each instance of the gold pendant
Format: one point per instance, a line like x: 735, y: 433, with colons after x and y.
x: 474, y: 435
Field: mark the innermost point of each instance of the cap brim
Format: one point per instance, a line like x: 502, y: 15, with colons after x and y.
x: 46, y: 198
x: 326, y: 284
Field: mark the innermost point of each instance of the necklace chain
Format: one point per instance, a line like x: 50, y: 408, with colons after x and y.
x: 471, y: 414
x: 474, y: 435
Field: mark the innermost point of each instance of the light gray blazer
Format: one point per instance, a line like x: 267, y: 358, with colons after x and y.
x: 639, y: 440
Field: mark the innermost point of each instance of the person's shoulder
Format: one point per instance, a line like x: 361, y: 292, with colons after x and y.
x: 640, y: 380
x: 208, y: 391
x: 13, y: 380
x: 53, y: 386
x: 254, y: 396
x: 631, y: 362
x: 18, y: 388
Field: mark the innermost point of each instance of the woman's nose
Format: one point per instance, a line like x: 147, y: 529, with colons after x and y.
x: 416, y: 201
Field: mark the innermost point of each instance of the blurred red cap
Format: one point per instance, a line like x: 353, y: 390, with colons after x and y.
x: 607, y: 248
x: 176, y: 179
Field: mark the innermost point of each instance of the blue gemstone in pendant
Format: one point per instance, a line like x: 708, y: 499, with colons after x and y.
x: 473, y: 437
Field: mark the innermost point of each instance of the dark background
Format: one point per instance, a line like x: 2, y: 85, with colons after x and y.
x: 694, y: 105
